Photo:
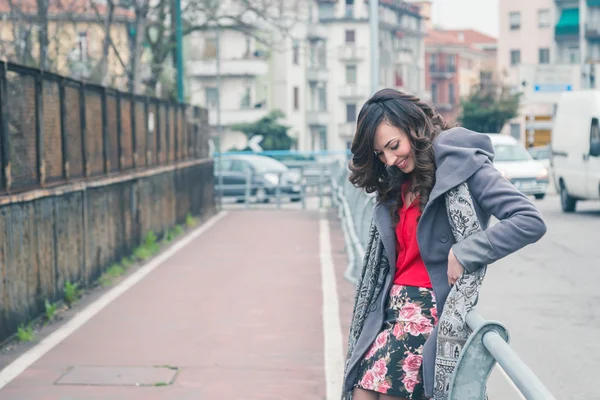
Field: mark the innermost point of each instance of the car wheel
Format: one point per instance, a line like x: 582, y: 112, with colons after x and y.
x: 540, y: 196
x: 261, y: 195
x: 567, y: 202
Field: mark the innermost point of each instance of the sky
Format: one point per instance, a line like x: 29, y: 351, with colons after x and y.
x: 480, y: 15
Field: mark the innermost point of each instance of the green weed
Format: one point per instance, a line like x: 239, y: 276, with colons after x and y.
x: 25, y: 334
x: 71, y: 293
x: 50, y: 310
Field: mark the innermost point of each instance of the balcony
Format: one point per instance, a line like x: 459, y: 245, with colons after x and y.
x: 351, y: 52
x: 404, y: 56
x: 317, y: 31
x: 568, y: 24
x: 317, y: 118
x: 231, y: 117
x: 351, y: 91
x: 441, y: 71
x: 347, y: 129
x: 235, y: 67
x: 592, y: 32
x: 316, y: 74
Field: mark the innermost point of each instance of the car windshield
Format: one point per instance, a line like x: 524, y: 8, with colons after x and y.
x: 540, y: 153
x: 510, y: 152
x: 267, y: 164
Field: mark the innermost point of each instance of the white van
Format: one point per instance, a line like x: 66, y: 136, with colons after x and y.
x: 576, y: 147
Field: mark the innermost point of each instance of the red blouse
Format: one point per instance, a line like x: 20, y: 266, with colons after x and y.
x: 410, y: 268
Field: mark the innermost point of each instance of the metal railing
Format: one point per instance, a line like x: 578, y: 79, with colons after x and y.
x: 488, y: 342
x: 54, y: 129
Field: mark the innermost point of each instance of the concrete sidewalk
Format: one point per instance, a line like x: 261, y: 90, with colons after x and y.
x: 235, y: 314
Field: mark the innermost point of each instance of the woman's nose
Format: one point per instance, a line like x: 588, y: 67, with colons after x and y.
x: 390, y: 160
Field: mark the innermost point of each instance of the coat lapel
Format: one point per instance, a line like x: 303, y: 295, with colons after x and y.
x: 385, y: 227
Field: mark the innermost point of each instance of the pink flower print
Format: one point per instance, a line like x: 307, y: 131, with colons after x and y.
x: 368, y: 380
x: 380, y: 341
x: 412, y: 364
x: 434, y: 314
x: 396, y: 289
x: 410, y: 381
x: 410, y: 312
x: 398, y: 330
x: 384, y: 386
x: 418, y: 327
x: 379, y: 370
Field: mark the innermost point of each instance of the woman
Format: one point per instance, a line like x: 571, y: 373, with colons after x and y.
x: 405, y: 153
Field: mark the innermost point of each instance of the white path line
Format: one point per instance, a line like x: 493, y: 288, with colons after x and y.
x: 15, y: 368
x: 332, y: 331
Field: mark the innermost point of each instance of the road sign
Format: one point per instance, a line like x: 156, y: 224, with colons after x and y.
x: 552, y: 87
x: 253, y: 143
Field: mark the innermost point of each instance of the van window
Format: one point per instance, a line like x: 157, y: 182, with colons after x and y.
x: 595, y: 138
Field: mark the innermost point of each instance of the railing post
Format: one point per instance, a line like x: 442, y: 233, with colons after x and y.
x: 119, y: 134
x: 4, y: 133
x: 177, y: 129
x: 278, y: 190
x: 147, y: 125
x: 39, y: 128
x: 83, y: 126
x: 247, y: 191
x: 105, y: 141
x: 158, y: 133
x: 134, y: 149
x: 63, y: 130
x: 167, y: 132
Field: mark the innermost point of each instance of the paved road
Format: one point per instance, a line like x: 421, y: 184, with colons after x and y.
x: 547, y: 295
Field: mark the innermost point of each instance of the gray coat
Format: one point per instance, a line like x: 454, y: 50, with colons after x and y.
x: 460, y: 155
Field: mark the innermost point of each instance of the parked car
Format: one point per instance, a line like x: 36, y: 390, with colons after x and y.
x: 576, y: 147
x: 517, y: 165
x: 266, y: 173
x: 541, y: 154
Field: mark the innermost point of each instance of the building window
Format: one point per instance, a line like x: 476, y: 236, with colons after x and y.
x: 246, y: 98
x: 296, y: 53
x: 544, y: 56
x: 451, y: 62
x: 322, y: 93
x: 514, y: 20
x: 451, y: 94
x: 210, y: 47
x: 350, y: 73
x: 212, y: 97
x: 544, y: 18
x: 434, y: 93
x: 433, y: 61
x: 349, y: 8
x: 515, y: 131
x: 350, y: 36
x: 82, y: 46
x: 515, y: 57
x: 296, y: 98
x: 350, y: 112
x: 573, y: 55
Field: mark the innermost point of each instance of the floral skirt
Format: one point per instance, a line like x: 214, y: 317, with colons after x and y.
x: 393, y: 363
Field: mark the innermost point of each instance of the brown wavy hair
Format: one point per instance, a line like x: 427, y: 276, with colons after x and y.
x: 422, y: 125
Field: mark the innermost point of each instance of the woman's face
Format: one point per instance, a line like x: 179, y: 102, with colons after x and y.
x: 393, y: 147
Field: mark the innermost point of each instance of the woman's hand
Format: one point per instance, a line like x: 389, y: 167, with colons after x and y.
x: 455, y: 268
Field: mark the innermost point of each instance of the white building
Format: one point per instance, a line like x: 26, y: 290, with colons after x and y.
x: 318, y: 74
x: 401, y: 58
x: 540, y: 53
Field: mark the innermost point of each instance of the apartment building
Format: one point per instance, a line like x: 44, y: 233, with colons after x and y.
x: 457, y: 62
x: 546, y: 47
x: 318, y: 74
x: 401, y: 58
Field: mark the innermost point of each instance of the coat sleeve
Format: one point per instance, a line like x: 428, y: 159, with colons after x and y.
x: 520, y: 222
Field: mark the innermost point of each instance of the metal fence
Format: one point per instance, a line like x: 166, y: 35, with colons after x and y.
x: 54, y: 129
x: 488, y: 342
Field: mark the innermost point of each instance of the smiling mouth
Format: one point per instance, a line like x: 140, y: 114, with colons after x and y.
x: 402, y: 163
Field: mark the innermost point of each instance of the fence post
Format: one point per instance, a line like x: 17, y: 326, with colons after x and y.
x: 63, y: 130
x: 134, y: 149
x: 4, y: 133
x: 167, y: 133
x: 83, y: 126
x: 176, y: 129
x: 39, y: 128
x: 105, y: 142
x: 147, y: 125
x: 158, y: 133
x: 119, y: 133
